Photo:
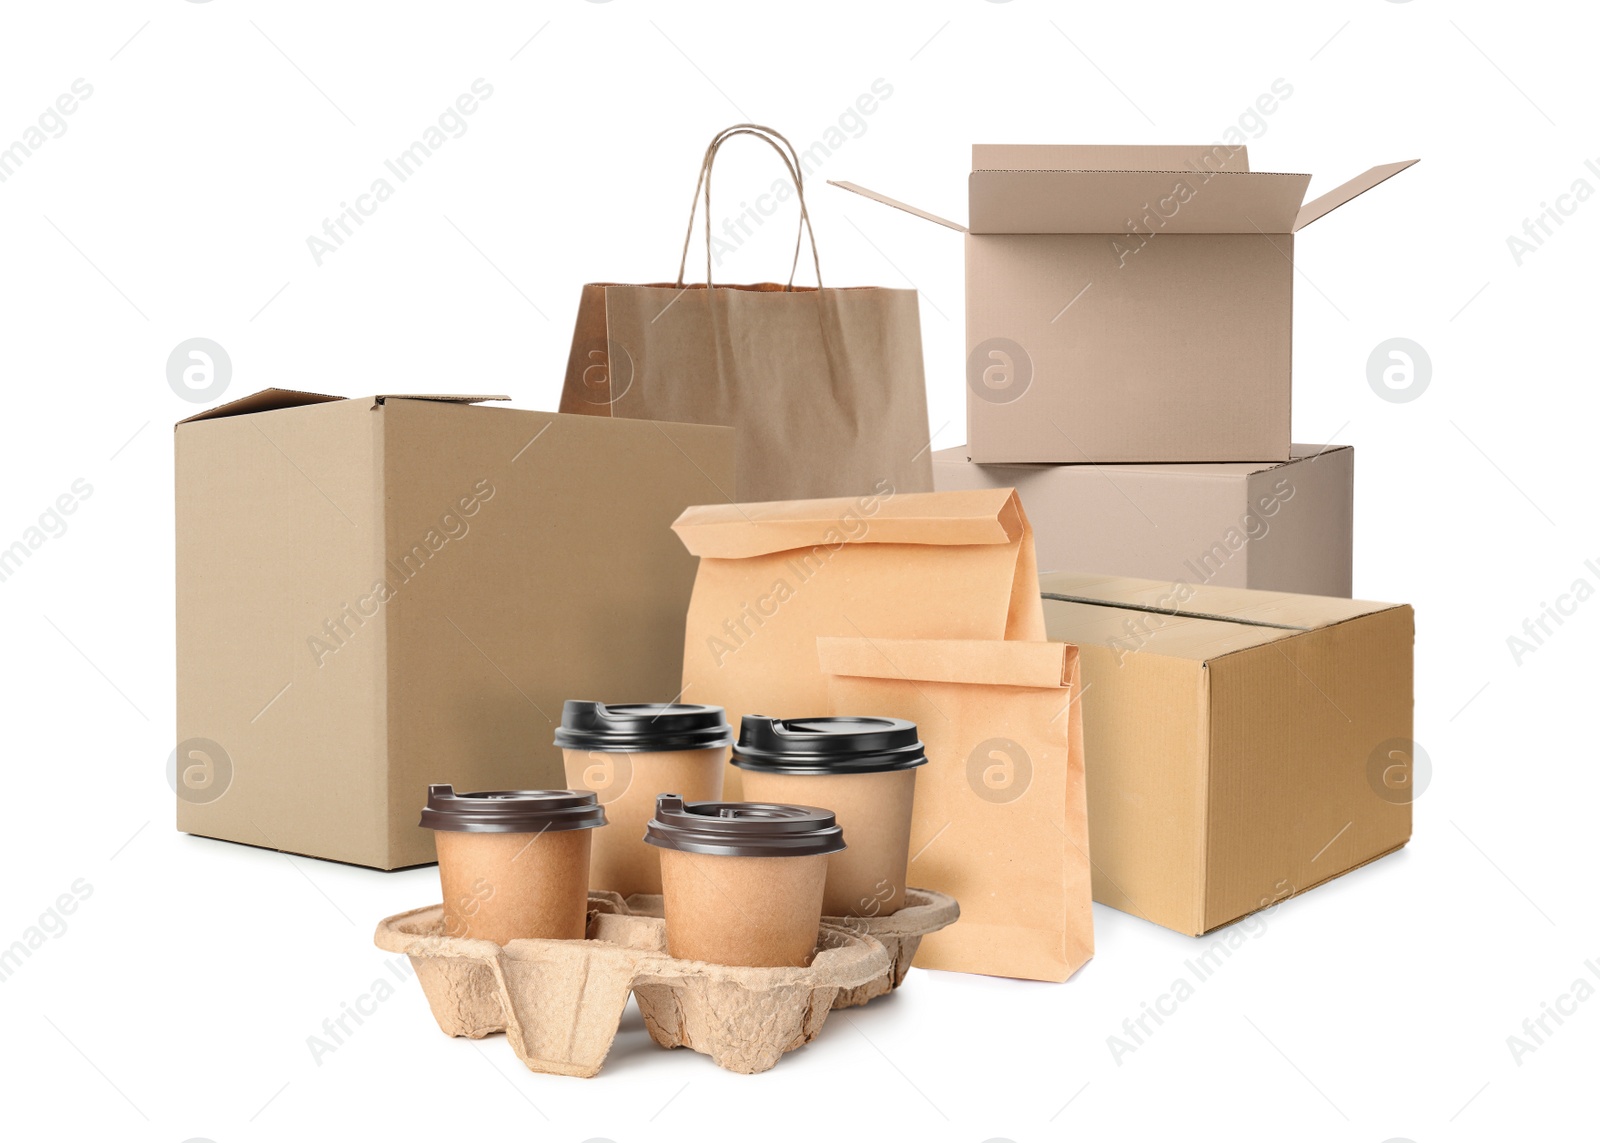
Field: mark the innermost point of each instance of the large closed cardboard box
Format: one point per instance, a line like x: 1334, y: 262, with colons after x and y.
x: 1130, y: 303
x: 1274, y: 526
x: 380, y: 593
x: 1240, y: 747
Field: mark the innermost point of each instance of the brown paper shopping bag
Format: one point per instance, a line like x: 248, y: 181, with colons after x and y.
x: 773, y: 577
x: 824, y: 386
x: 1000, y: 819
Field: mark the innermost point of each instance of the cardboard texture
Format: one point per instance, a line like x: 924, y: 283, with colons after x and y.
x: 1237, y: 740
x: 900, y: 932
x: 773, y: 577
x: 825, y: 385
x: 1000, y: 814
x: 1266, y: 525
x: 1130, y: 304
x: 559, y: 1002
x: 377, y: 594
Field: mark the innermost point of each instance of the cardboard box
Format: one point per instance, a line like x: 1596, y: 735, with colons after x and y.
x: 1130, y: 303
x: 1274, y: 526
x: 1241, y: 746
x: 380, y: 593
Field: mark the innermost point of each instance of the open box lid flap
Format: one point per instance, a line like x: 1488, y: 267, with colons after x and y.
x: 1267, y: 609
x: 1343, y: 193
x: 896, y: 203
x: 1124, y: 630
x: 447, y: 398
x: 268, y: 399
x: 261, y: 402
x: 1107, y: 157
x: 1123, y: 202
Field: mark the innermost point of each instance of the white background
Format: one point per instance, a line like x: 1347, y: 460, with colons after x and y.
x: 178, y: 1001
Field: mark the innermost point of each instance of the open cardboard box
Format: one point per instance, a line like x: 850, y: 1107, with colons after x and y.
x: 1130, y: 303
x: 1240, y: 746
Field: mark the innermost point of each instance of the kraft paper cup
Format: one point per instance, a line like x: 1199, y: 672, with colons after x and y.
x: 627, y: 754
x: 742, y: 882
x: 513, y: 863
x: 864, y: 769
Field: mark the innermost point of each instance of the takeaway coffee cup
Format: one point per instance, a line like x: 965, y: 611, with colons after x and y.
x: 629, y: 753
x: 865, y: 771
x: 513, y: 863
x: 742, y: 881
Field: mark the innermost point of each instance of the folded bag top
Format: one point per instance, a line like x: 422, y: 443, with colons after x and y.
x: 738, y: 531
x: 1000, y: 819
x: 773, y: 577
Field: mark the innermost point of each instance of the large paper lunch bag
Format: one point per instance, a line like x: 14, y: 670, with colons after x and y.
x: 774, y: 577
x: 825, y: 386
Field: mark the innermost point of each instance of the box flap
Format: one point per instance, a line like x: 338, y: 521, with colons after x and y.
x: 1152, y: 633
x: 738, y: 531
x: 260, y: 403
x: 1123, y: 202
x: 1342, y: 194
x: 1107, y: 157
x: 451, y: 398
x: 1273, y: 609
x: 1007, y: 663
x: 896, y: 203
x: 1232, y: 470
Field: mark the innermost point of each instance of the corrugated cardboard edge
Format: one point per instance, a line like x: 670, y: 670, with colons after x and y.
x: 265, y: 400
x: 1299, y: 454
x: 1125, y: 592
x: 447, y: 398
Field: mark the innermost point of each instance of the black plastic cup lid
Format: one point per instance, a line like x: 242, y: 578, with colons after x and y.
x: 511, y: 811
x: 835, y: 745
x: 743, y: 829
x: 644, y: 726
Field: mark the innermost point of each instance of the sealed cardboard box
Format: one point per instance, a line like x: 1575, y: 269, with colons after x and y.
x: 1130, y: 303
x: 1241, y: 746
x: 382, y: 593
x: 1273, y: 526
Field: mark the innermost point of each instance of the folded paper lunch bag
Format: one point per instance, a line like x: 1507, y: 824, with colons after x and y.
x: 999, y: 819
x: 775, y: 576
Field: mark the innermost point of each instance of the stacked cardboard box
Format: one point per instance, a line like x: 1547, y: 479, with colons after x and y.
x: 1129, y: 315
x: 1132, y: 305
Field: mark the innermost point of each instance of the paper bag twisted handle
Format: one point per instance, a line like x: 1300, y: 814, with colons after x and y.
x: 791, y: 161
